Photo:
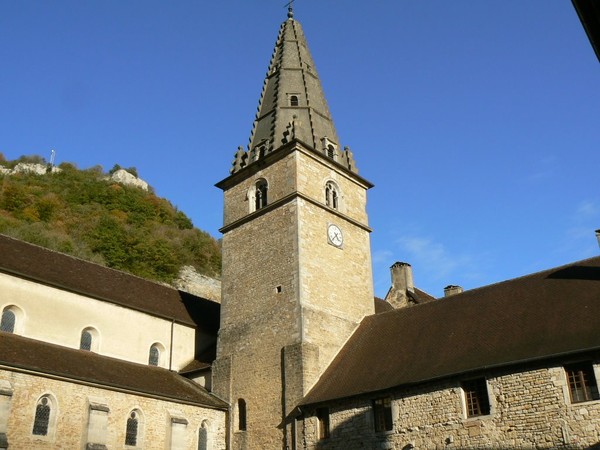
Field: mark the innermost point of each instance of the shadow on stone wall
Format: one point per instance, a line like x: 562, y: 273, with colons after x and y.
x: 357, y: 433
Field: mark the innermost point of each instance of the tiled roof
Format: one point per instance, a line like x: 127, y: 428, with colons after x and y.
x: 72, y: 274
x: 87, y: 367
x: 547, y: 314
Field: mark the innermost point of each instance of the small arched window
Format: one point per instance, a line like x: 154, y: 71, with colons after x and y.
x: 203, y: 437
x: 85, y: 343
x: 294, y: 100
x: 9, y: 319
x: 43, y: 412
x: 261, y: 191
x: 242, y: 414
x: 154, y: 355
x: 332, y: 197
x: 89, y: 339
x: 132, y: 428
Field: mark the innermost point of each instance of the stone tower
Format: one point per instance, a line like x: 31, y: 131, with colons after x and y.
x: 296, y: 253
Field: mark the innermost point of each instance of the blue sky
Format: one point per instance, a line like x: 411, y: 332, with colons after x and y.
x: 477, y: 121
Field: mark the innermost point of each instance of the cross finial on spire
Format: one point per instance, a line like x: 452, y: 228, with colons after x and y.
x: 290, y: 6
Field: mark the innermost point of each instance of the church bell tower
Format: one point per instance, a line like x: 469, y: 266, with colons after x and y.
x: 296, y: 277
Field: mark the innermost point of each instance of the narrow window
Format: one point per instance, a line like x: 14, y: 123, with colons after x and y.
x: 330, y: 151
x: 7, y: 324
x: 154, y: 355
x: 85, y: 343
x: 294, y: 100
x: 331, y: 195
x: 476, y: 397
x: 42, y: 417
x: 323, y: 420
x: 261, y: 194
x: 203, y: 436
x: 131, y: 431
x: 382, y: 414
x: 582, y: 382
x: 242, y: 414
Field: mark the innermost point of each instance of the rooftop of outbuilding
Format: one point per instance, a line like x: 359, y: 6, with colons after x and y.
x: 547, y: 314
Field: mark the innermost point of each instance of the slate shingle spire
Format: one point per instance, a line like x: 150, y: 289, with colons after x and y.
x: 292, y: 104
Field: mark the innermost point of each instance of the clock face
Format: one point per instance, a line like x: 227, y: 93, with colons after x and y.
x: 334, y: 234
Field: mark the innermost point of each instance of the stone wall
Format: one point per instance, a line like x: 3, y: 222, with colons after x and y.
x: 76, y: 404
x: 529, y: 409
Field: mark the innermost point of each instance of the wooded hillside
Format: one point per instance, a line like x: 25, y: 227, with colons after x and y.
x: 86, y: 214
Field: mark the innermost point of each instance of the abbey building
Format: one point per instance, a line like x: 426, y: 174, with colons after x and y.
x: 298, y: 353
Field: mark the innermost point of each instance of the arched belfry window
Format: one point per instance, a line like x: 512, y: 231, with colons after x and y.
x: 9, y: 319
x: 294, y: 100
x: 332, y: 195
x: 261, y: 197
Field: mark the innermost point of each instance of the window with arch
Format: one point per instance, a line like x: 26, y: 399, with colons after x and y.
x: 203, y: 436
x: 45, y: 413
x: 154, y: 355
x: 294, y: 100
x: 332, y: 196
x: 9, y: 319
x: 242, y: 414
x: 88, y: 339
x: 132, y: 429
x: 260, y: 193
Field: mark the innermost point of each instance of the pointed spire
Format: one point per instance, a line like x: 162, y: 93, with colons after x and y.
x: 292, y: 104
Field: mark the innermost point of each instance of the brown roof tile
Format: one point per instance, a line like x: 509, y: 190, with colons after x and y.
x: 547, y: 314
x: 83, y: 366
x: 86, y: 278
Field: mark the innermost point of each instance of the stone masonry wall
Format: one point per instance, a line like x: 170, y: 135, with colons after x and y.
x: 529, y: 410
x: 73, y: 412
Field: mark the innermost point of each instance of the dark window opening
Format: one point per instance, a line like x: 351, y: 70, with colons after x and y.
x: 202, y: 438
x: 582, y: 382
x: 154, y: 356
x: 294, y: 100
x: 382, y: 414
x: 131, y: 431
x: 42, y: 417
x: 261, y: 194
x: 323, y: 419
x: 331, y: 196
x: 330, y: 151
x: 85, y: 343
x: 242, y: 415
x: 476, y: 397
x: 7, y: 324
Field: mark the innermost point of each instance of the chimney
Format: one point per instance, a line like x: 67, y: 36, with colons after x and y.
x: 402, y: 278
x: 598, y: 236
x: 452, y: 290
